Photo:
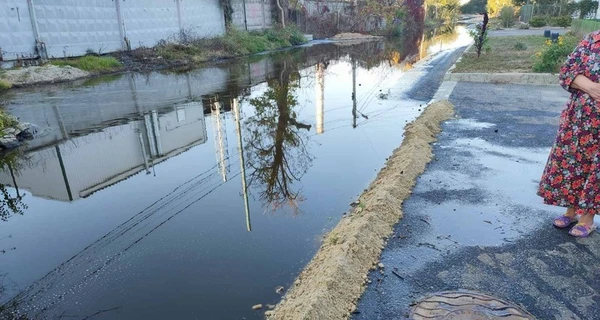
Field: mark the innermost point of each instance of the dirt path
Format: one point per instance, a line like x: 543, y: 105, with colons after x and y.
x: 330, y: 285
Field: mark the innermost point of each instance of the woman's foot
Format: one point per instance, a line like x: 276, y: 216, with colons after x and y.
x: 585, y: 226
x: 566, y: 220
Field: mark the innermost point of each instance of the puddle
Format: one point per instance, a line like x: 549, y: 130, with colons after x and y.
x: 195, y: 195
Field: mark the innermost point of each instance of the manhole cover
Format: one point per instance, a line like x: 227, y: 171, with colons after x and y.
x: 466, y: 305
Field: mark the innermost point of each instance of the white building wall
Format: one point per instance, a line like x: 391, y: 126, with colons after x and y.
x: 148, y: 21
x: 16, y: 31
x: 209, y: 12
x: 73, y: 27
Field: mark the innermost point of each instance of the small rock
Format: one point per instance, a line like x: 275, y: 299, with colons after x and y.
x: 269, y: 313
x: 369, y: 281
x: 9, y: 142
x: 279, y: 290
x: 355, y: 203
x: 380, y: 265
x: 271, y: 306
x: 257, y: 307
x: 9, y: 131
x: 297, y: 282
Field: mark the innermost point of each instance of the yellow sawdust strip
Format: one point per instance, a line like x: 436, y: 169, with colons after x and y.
x: 335, y: 278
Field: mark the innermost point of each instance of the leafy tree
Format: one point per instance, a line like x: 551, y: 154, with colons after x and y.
x: 586, y: 7
x: 494, y: 6
x: 474, y: 6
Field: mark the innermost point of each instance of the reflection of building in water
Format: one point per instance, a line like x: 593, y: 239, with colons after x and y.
x: 82, y: 165
x: 320, y: 99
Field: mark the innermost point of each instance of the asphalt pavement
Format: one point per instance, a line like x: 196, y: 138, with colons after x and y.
x: 474, y: 221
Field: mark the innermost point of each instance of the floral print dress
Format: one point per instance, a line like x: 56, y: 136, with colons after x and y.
x: 571, y: 177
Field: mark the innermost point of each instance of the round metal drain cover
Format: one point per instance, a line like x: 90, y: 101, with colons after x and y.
x: 466, y: 305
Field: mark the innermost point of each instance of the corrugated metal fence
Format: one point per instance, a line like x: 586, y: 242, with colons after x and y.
x: 65, y: 28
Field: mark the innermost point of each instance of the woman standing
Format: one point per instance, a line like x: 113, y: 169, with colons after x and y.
x: 571, y: 176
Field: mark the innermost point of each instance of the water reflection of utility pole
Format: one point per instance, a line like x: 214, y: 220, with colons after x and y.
x: 354, y: 116
x: 64, y: 172
x: 14, y: 180
x: 238, y: 129
x: 143, y: 121
x: 220, y: 139
x: 320, y: 96
x: 144, y: 152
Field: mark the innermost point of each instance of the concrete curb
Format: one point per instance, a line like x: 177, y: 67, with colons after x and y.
x: 514, y: 78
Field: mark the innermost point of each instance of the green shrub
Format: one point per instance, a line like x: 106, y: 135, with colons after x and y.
x: 520, y: 46
x: 6, y: 120
x: 538, y: 21
x: 507, y: 16
x: 562, y: 21
x: 91, y: 63
x: 5, y: 85
x: 554, y: 54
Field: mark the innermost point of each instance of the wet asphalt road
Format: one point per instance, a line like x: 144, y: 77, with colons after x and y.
x: 474, y: 221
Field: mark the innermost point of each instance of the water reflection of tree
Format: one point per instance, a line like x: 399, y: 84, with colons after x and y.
x: 276, y: 147
x: 10, y: 204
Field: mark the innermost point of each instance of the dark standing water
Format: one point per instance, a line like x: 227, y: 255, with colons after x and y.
x: 137, y: 202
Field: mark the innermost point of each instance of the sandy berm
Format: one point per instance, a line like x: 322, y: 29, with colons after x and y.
x: 333, y: 281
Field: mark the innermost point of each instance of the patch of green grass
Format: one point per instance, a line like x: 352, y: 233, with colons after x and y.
x: 5, y: 85
x: 234, y: 43
x: 91, y: 63
x: 6, y: 120
x: 506, y: 54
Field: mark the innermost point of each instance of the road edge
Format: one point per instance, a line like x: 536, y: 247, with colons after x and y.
x: 333, y: 281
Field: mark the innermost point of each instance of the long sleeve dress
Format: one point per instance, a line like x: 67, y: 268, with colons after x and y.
x: 571, y: 176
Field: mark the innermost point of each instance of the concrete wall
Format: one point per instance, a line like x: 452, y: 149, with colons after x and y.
x: 71, y: 27
x: 16, y: 31
x: 259, y: 14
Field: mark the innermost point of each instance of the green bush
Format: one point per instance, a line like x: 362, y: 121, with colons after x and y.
x: 520, y: 46
x: 507, y: 16
x: 538, y: 21
x: 562, y: 21
x: 91, y: 63
x: 5, y: 85
x: 554, y: 54
x: 6, y: 120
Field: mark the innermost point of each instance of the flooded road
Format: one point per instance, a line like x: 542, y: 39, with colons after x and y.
x: 199, y: 194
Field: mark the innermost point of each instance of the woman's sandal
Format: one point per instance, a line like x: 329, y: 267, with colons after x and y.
x: 564, y: 221
x: 581, y: 230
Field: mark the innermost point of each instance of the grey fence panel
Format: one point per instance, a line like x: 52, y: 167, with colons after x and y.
x: 16, y: 31
x: 72, y: 27
x: 205, y: 18
x: 258, y: 14
x: 148, y: 21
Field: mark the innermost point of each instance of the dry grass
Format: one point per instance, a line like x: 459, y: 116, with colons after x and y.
x: 503, y: 56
